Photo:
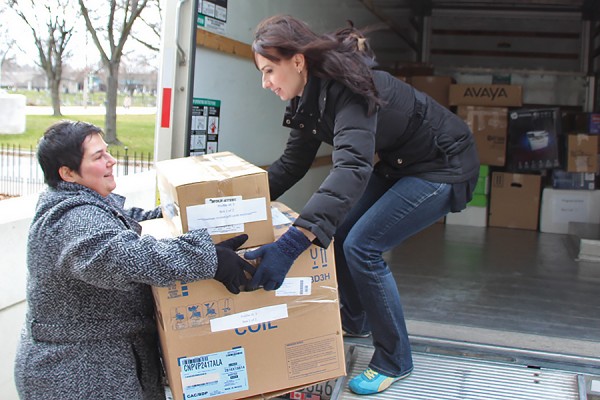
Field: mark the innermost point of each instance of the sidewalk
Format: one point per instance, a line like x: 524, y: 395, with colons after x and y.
x: 80, y: 110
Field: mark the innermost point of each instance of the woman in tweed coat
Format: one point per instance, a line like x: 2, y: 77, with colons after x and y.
x: 89, y: 331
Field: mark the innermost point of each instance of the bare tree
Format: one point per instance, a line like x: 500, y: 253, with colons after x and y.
x: 51, y: 25
x: 148, y: 33
x: 6, y: 43
x: 110, y: 24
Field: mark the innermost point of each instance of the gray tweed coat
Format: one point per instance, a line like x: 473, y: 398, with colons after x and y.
x: 89, y: 332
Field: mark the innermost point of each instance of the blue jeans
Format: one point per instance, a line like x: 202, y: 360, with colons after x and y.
x: 388, y: 213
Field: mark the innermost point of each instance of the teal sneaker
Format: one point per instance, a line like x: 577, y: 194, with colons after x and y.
x: 370, y: 382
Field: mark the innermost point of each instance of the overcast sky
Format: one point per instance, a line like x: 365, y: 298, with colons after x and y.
x: 81, y: 46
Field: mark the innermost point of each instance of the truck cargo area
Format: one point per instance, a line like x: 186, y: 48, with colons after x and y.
x: 492, y: 313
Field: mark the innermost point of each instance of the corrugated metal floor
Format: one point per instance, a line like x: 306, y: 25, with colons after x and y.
x: 445, y: 377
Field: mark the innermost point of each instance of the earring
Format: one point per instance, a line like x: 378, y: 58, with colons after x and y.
x: 299, y: 71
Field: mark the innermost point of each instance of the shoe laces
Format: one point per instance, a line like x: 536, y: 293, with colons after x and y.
x: 370, y: 374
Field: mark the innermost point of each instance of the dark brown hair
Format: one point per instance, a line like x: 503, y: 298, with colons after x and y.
x: 62, y: 145
x: 343, y: 55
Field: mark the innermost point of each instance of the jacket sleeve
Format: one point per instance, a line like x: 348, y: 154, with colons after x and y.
x: 352, y: 157
x: 301, y: 150
x: 100, y: 250
x: 139, y: 214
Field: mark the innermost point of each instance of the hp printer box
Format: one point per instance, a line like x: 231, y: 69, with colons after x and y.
x: 252, y: 345
x: 534, y: 140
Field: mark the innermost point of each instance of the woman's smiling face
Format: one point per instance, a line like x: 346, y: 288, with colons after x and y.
x: 96, y: 169
x: 285, y: 78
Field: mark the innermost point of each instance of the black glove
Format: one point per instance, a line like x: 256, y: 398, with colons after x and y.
x: 230, y: 266
x: 277, y: 258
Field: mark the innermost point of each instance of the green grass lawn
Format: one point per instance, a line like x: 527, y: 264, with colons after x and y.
x: 136, y: 132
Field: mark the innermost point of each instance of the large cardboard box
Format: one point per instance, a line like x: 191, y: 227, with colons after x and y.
x: 515, y: 200
x: 561, y: 207
x: 488, y: 125
x: 534, y: 138
x: 221, y: 192
x: 471, y: 94
x: 582, y: 152
x: 437, y: 87
x: 254, y: 344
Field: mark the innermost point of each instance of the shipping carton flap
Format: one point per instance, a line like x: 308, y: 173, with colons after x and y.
x: 213, y: 167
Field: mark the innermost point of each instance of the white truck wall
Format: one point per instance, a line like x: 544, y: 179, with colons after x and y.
x: 251, y: 117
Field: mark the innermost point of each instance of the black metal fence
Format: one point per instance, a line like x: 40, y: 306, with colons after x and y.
x: 21, y: 175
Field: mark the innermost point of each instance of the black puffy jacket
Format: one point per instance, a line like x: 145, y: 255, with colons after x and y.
x: 411, y: 134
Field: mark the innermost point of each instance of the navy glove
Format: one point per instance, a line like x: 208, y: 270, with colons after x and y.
x: 276, y: 259
x: 230, y: 266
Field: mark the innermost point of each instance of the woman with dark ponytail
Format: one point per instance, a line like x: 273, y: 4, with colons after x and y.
x: 401, y: 161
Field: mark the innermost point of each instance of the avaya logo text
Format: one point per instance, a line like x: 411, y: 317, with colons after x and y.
x: 492, y: 93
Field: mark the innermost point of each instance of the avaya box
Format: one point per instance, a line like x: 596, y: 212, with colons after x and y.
x: 463, y: 94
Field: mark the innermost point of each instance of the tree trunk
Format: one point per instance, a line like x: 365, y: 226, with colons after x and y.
x: 55, y: 95
x: 112, y: 87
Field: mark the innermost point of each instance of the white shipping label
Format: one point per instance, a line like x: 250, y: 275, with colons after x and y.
x: 214, y: 374
x: 250, y: 317
x: 223, y: 211
x: 572, y: 208
x: 295, y: 287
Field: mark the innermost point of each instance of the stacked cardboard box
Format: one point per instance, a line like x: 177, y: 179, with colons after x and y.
x: 254, y: 344
x: 437, y: 87
x: 220, y: 192
x: 488, y: 125
x: 573, y: 197
x: 515, y: 200
x: 582, y: 152
x: 534, y: 138
x: 485, y: 110
x: 467, y: 94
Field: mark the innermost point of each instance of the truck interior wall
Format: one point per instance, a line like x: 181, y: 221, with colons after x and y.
x: 250, y: 116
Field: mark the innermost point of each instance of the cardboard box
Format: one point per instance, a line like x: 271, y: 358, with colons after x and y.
x: 515, y: 200
x: 582, y: 152
x: 489, y: 126
x: 561, y: 207
x: 436, y: 87
x: 534, y: 137
x: 468, y: 94
x: 221, y: 192
x: 584, y: 122
x: 254, y: 344
x: 573, y: 180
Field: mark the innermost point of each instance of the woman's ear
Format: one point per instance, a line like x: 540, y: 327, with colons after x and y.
x: 66, y: 174
x: 299, y: 62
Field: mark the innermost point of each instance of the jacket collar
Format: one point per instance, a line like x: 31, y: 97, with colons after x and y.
x: 302, y: 112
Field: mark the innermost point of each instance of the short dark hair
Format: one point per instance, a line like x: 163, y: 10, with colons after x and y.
x: 62, y: 145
